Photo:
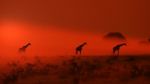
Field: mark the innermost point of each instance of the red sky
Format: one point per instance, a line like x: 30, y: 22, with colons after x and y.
x: 50, y: 40
x: 58, y: 26
x: 128, y: 16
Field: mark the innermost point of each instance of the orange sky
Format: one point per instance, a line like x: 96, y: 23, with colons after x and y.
x: 56, y: 27
x: 94, y: 16
x: 50, y: 40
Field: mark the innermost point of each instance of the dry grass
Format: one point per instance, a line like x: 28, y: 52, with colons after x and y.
x: 83, y: 70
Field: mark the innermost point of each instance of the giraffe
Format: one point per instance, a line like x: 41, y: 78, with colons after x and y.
x: 80, y: 47
x: 23, y: 48
x: 117, y: 48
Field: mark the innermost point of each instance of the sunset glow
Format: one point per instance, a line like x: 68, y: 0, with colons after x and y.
x: 74, y: 42
x: 51, y: 41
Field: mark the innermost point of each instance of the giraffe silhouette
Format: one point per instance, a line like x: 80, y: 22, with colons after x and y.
x: 80, y: 48
x: 117, y: 48
x: 23, y: 48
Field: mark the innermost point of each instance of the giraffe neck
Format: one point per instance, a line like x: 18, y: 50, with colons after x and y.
x: 83, y: 45
x: 122, y: 45
x: 26, y: 46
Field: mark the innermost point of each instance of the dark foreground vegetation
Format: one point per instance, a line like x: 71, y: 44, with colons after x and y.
x: 81, y: 70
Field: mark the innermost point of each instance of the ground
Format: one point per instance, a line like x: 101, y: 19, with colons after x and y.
x: 81, y: 70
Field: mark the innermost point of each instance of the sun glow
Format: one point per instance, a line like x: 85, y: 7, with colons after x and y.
x: 48, y: 40
x: 12, y: 33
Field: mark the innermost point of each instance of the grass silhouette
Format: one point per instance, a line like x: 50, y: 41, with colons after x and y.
x: 79, y: 70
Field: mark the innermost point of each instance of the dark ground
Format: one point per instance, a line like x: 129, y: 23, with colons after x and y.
x: 81, y: 70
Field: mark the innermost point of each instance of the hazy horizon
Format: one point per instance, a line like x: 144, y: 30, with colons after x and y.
x: 57, y: 27
x: 50, y: 40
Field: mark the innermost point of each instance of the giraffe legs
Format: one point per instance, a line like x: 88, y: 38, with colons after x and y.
x: 113, y: 52
x: 78, y: 52
x: 118, y: 53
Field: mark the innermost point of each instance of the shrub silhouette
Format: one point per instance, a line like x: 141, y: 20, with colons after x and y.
x: 77, y: 69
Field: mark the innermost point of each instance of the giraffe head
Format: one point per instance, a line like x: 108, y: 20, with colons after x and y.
x: 29, y: 44
x: 85, y: 43
x: 125, y: 44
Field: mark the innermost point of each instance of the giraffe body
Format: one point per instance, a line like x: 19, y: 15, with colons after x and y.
x: 117, y: 48
x: 23, y: 49
x: 80, y: 48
